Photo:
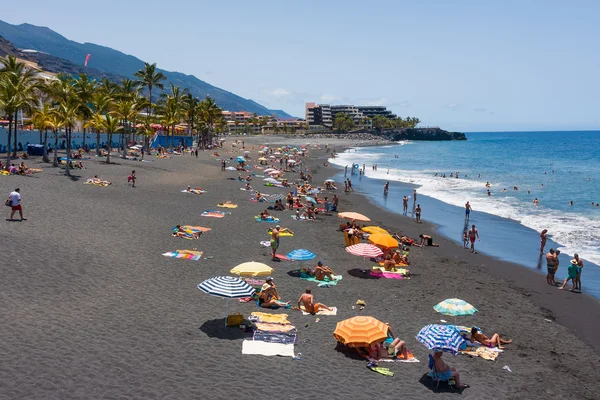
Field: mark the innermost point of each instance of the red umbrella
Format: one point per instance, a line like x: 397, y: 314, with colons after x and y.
x: 364, y: 250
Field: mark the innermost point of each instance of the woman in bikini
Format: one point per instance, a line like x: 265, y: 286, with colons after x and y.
x: 496, y: 340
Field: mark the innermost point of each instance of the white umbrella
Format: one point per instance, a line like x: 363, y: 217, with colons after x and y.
x: 228, y: 287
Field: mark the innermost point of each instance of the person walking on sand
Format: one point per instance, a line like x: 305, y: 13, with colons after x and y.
x: 543, y: 240
x: 275, y: 242
x: 15, y: 203
x: 573, y: 273
x: 551, y: 267
x: 404, y: 205
x: 418, y: 213
x: 350, y: 188
x: 131, y: 178
x: 473, y: 234
x: 386, y: 188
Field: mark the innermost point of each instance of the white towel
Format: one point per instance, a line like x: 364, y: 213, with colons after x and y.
x: 267, y: 349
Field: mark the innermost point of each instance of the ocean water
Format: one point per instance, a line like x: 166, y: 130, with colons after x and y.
x: 554, y: 167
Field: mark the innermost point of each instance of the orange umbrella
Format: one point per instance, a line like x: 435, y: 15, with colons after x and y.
x: 374, y: 229
x: 360, y: 331
x: 383, y: 240
x: 354, y: 215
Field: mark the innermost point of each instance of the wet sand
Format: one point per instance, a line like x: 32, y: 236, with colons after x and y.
x: 91, y: 309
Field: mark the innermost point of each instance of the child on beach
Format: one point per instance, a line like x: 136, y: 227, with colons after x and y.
x: 131, y: 178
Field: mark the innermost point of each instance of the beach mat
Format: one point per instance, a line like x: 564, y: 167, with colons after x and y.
x: 272, y: 220
x: 301, y: 218
x: 213, y: 214
x: 194, y: 191
x: 195, y: 256
x: 321, y: 312
x: 410, y: 359
x: 258, y: 347
x: 325, y: 281
x: 484, y: 352
x: 227, y: 205
x: 274, y: 318
x: 274, y: 327
x: 195, y: 228
x: 275, y: 337
x: 281, y: 234
x: 282, y: 257
x: 402, y: 273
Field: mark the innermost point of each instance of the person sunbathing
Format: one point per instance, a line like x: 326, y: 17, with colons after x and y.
x: 268, y: 298
x: 23, y: 168
x: 426, y: 240
x: 308, y: 301
x: 179, y: 231
x: 321, y: 271
x: 79, y: 165
x: 258, y: 196
x: 279, y: 206
x: 97, y: 181
x: 264, y: 215
x: 389, y: 264
x: 298, y: 204
x: 495, y: 341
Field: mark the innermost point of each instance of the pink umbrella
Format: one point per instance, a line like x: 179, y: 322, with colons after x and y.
x: 364, y: 250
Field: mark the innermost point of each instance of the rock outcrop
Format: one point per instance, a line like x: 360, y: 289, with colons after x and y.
x: 423, y: 134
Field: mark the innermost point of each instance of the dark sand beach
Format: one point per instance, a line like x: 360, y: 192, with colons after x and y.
x: 91, y: 308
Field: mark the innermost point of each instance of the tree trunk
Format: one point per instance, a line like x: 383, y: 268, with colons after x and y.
x: 55, y: 162
x: 40, y: 136
x: 98, y: 144
x: 15, y: 136
x: 109, y: 148
x: 83, y: 144
x: 45, y: 150
x: 125, y: 140
x: 9, y: 140
x: 68, y: 134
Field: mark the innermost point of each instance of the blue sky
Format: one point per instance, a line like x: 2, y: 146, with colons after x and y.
x: 461, y: 65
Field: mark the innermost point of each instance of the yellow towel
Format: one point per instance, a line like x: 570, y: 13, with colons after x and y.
x: 271, y: 318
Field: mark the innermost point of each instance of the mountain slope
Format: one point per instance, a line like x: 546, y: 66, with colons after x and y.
x: 110, y: 61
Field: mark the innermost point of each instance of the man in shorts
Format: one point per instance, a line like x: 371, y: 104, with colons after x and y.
x: 551, y: 267
x: 308, y: 301
x: 275, y: 242
x: 15, y: 201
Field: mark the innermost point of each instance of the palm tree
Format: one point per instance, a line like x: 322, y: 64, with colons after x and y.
x: 190, y: 106
x: 209, y: 113
x: 173, y: 106
x: 44, y: 118
x: 17, y: 83
x: 106, y: 123
x: 68, y: 114
x: 100, y: 104
x: 84, y: 89
x: 150, y: 78
x: 125, y: 110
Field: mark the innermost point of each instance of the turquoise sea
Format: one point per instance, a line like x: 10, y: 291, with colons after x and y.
x: 554, y: 167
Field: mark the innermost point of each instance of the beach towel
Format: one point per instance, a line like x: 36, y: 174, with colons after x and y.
x: 401, y: 265
x: 409, y: 359
x: 381, y: 370
x: 267, y: 349
x: 214, y: 214
x: 282, y: 234
x: 274, y: 318
x: 195, y: 228
x: 401, y: 273
x: 195, y: 256
x: 194, y: 191
x: 269, y: 219
x: 97, y: 182
x: 321, y: 312
x: 273, y: 327
x: 227, y: 205
x: 275, y: 337
x: 325, y: 281
x: 302, y: 218
x: 478, y: 350
x: 282, y: 257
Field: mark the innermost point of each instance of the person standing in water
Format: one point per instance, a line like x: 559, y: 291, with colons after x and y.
x: 467, y: 211
x: 418, y: 213
x: 386, y: 188
x: 405, y: 205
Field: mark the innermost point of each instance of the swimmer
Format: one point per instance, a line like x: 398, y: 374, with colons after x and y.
x: 536, y: 201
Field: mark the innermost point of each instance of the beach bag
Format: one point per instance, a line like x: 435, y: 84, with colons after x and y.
x: 235, y: 319
x: 8, y: 203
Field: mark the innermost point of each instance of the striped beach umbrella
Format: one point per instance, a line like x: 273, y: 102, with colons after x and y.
x: 364, y: 250
x: 360, y: 331
x: 301, y: 255
x: 227, y: 287
x: 440, y: 338
x: 455, y: 308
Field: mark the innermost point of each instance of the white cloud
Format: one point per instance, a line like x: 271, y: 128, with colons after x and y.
x: 376, y: 102
x: 328, y: 98
x: 453, y: 106
x: 277, y: 92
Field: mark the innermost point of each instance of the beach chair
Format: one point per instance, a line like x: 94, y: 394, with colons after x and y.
x: 438, y: 377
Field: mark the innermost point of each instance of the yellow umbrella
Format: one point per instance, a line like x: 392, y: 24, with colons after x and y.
x: 354, y: 215
x: 374, y: 229
x: 383, y: 240
x: 262, y: 159
x: 360, y: 331
x: 252, y: 268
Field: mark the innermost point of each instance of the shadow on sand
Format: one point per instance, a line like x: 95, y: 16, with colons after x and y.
x: 349, y: 352
x: 215, y: 328
x: 443, y: 387
x: 361, y: 273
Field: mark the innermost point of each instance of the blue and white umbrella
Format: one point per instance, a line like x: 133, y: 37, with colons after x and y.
x: 240, y: 159
x: 228, y: 287
x: 441, y: 338
x: 312, y: 200
x: 301, y: 255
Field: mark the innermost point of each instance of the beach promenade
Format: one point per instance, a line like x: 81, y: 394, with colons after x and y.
x: 91, y: 309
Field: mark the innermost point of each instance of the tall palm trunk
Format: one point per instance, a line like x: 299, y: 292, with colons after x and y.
x: 125, y: 139
x: 109, y: 148
x: 40, y: 136
x: 15, y: 136
x: 98, y: 144
x: 9, y: 140
x: 55, y: 152
x: 68, y: 169
x: 45, y: 150
x: 83, y: 144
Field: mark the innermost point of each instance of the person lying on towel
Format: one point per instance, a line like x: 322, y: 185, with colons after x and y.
x: 495, y: 340
x: 180, y: 232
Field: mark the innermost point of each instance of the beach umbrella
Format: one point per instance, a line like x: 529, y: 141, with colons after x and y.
x: 272, y: 180
x: 240, y: 159
x: 312, y: 200
x: 262, y: 159
x: 227, y: 287
x: 354, y: 216
x: 441, y: 338
x: 455, y: 308
x: 246, y: 152
x: 230, y: 169
x: 329, y: 180
x: 253, y: 269
x: 383, y: 240
x: 364, y: 250
x: 360, y: 331
x: 301, y: 255
x: 272, y: 157
x: 374, y: 229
